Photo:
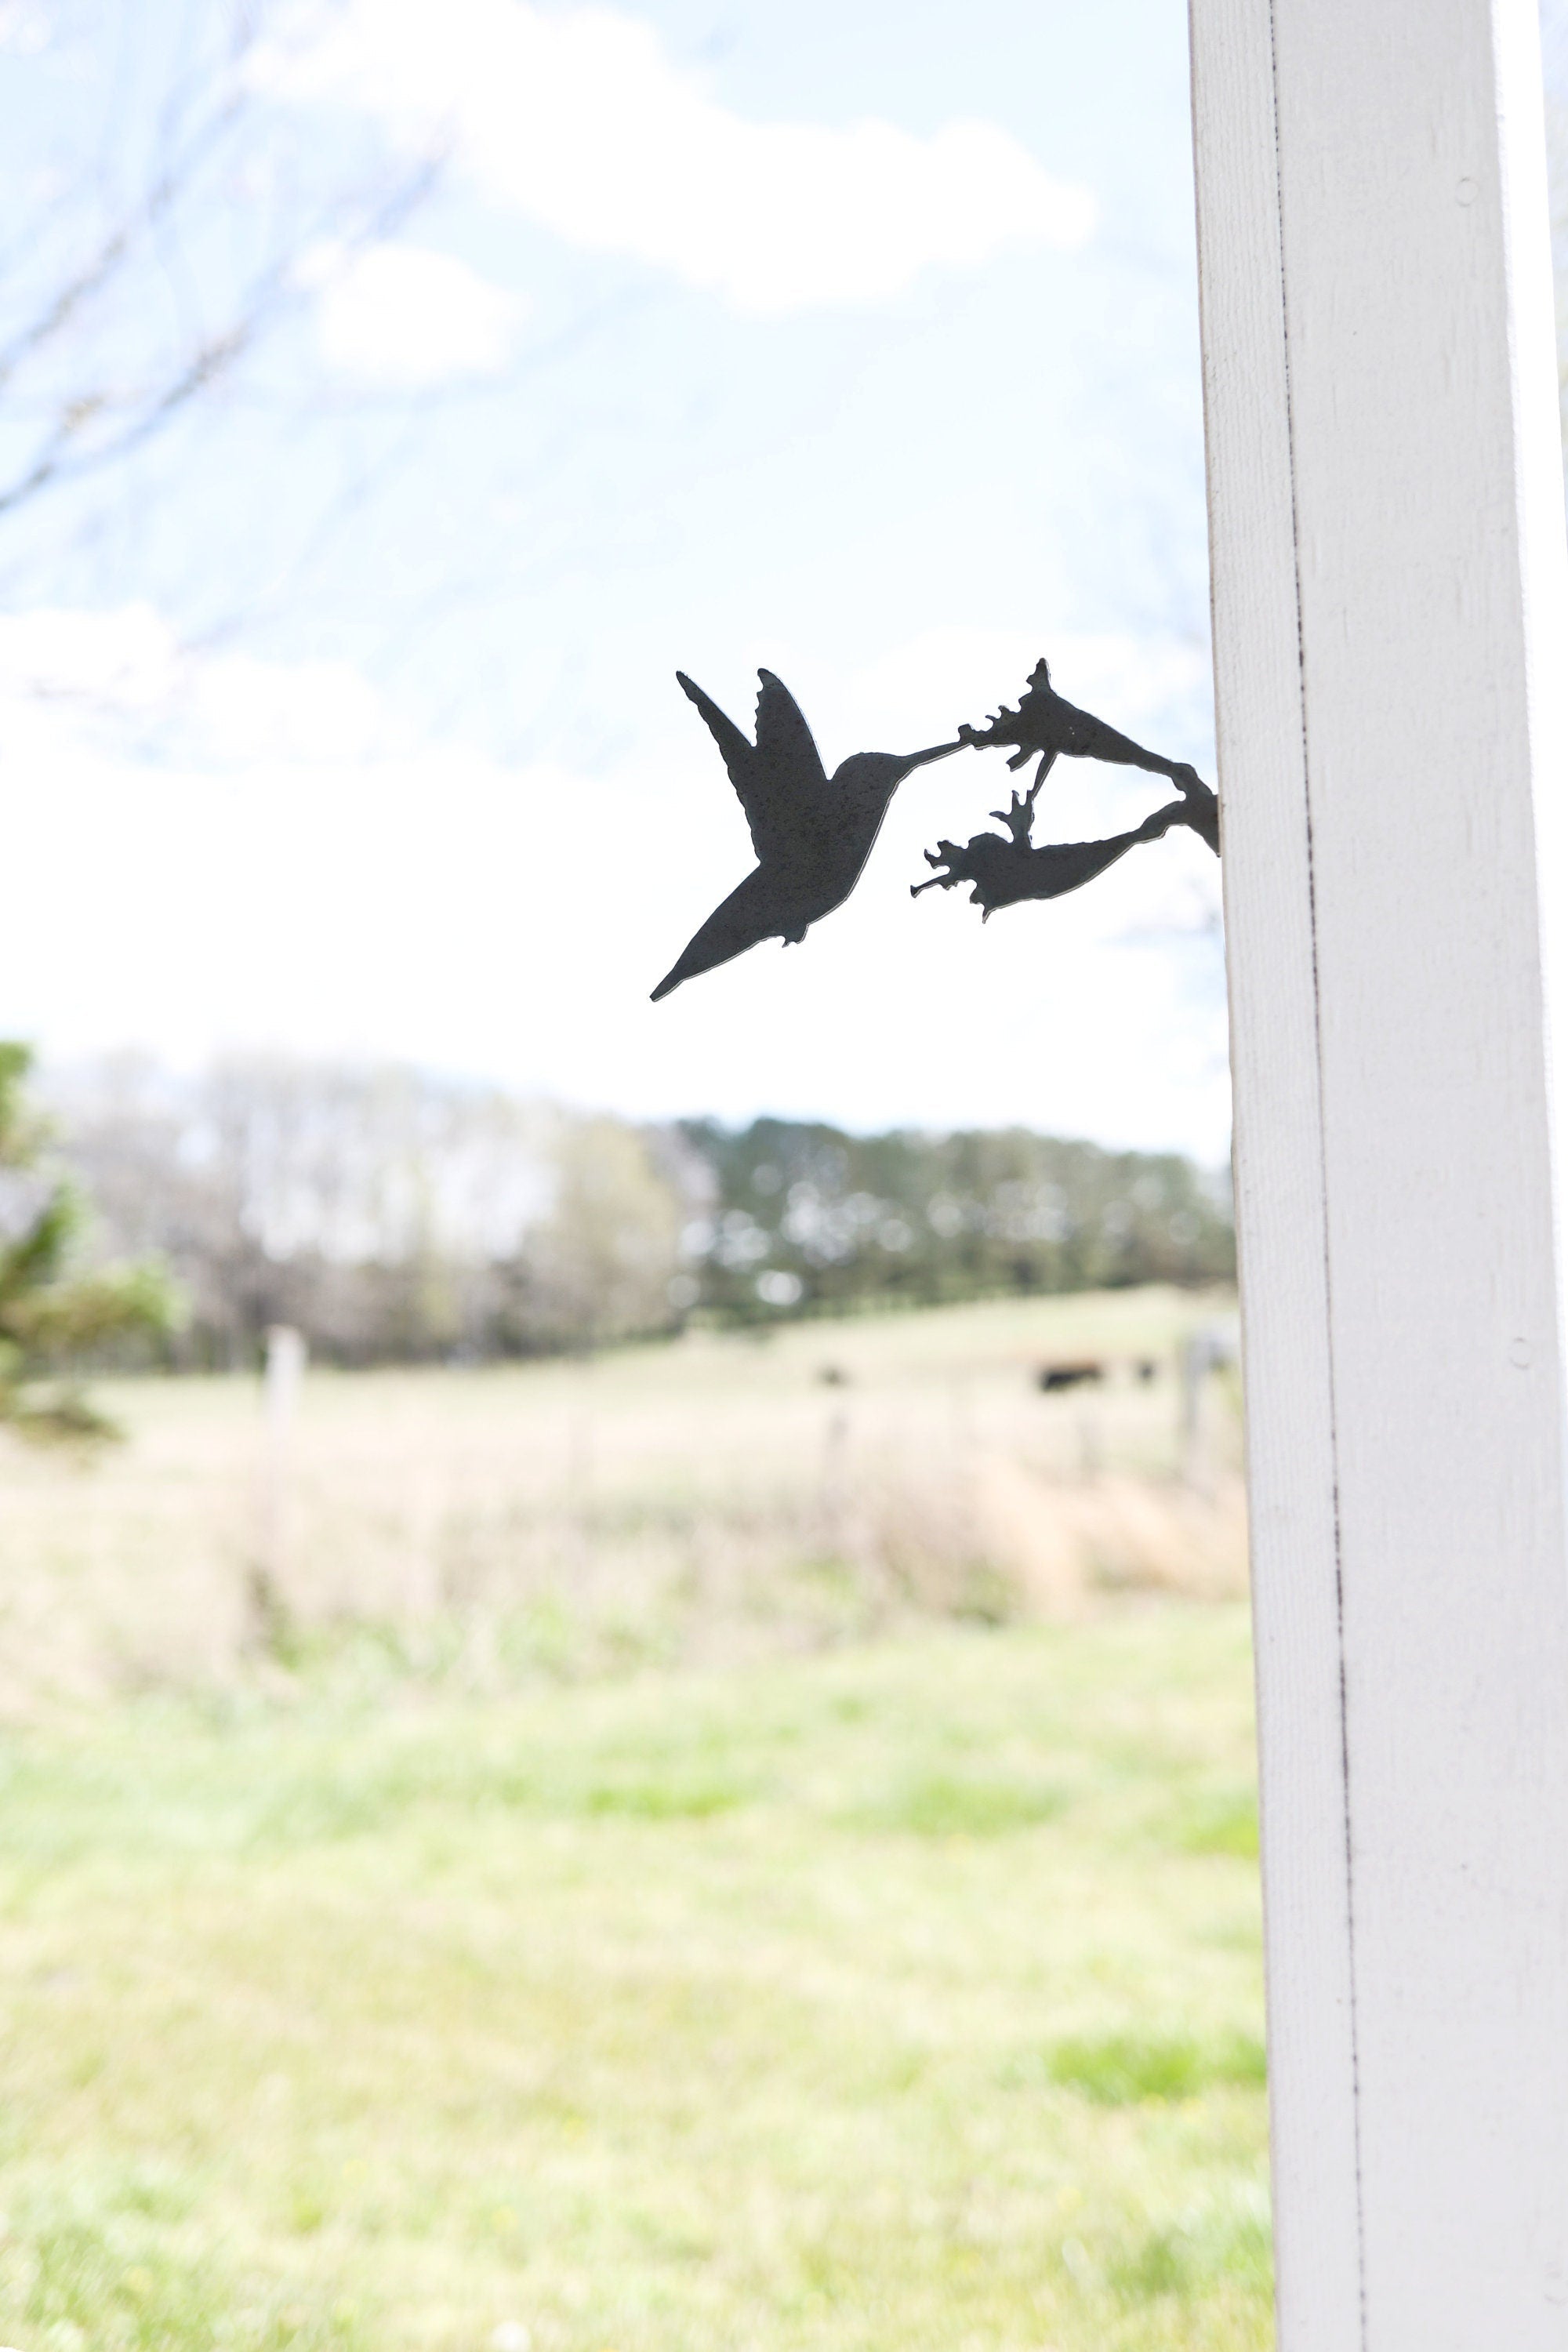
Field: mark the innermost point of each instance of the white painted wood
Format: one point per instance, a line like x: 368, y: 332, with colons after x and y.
x: 1280, y: 1179
x: 1390, y: 626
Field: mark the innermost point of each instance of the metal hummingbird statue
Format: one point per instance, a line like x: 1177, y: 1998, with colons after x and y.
x: 813, y: 833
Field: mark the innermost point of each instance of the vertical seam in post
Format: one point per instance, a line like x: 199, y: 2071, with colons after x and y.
x: 1323, y: 1167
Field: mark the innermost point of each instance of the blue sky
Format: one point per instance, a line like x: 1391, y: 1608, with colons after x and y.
x: 853, y: 340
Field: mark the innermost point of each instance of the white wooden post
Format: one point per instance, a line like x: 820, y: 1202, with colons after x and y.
x: 285, y: 1369
x: 1390, y: 633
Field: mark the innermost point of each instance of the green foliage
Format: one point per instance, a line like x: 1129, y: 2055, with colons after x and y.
x: 676, y: 1796
x: 949, y: 1804
x: 53, y: 1310
x: 1229, y: 2242
x: 1223, y: 1820
x: 805, y: 1218
x: 91, y: 2266
x: 1122, y: 2070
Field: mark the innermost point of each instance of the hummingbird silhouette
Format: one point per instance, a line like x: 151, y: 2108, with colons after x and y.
x: 812, y: 831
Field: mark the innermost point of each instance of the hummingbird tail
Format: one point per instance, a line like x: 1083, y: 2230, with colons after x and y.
x: 745, y: 918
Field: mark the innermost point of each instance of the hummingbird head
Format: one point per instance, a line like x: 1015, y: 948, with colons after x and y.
x: 872, y: 778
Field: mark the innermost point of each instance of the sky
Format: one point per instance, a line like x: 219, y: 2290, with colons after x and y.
x: 854, y: 340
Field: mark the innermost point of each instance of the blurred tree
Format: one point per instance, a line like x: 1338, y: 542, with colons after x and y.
x: 389, y: 1215
x: 52, y: 1312
x: 394, y: 1216
x: 598, y: 1267
x: 803, y: 1217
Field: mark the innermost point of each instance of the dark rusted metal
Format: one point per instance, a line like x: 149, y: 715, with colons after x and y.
x: 813, y: 833
x: 1005, y: 870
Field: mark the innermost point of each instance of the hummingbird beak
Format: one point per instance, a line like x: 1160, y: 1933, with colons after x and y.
x: 923, y: 759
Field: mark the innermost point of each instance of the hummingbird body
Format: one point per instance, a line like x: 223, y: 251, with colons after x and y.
x: 811, y: 833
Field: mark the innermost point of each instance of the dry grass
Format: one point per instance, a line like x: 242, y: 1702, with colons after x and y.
x: 717, y: 1499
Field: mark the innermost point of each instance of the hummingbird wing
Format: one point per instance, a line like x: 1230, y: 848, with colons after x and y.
x: 785, y: 792
x: 739, y: 757
x: 793, y: 788
x: 746, y: 772
x: 779, y: 781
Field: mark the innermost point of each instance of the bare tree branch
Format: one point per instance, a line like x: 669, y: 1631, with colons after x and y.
x: 87, y: 356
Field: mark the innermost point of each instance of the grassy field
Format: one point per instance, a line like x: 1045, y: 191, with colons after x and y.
x: 718, y: 1500
x: 728, y: 1848
x: 903, y: 1996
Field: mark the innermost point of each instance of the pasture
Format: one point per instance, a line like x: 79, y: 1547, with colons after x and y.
x: 850, y: 1943
x: 711, y: 1501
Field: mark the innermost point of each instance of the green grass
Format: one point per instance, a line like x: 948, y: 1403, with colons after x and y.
x: 1121, y: 2069
x: 904, y: 2000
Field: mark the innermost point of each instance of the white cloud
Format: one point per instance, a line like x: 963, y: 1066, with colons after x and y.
x: 24, y: 28
x: 287, y: 865
x: 399, y: 314
x: 576, y: 119
x: 121, y: 682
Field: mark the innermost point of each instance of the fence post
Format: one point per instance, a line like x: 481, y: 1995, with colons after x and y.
x: 285, y: 1369
x: 1391, y: 627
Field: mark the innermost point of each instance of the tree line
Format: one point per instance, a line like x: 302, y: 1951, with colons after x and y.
x: 802, y: 1217
x: 395, y: 1216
